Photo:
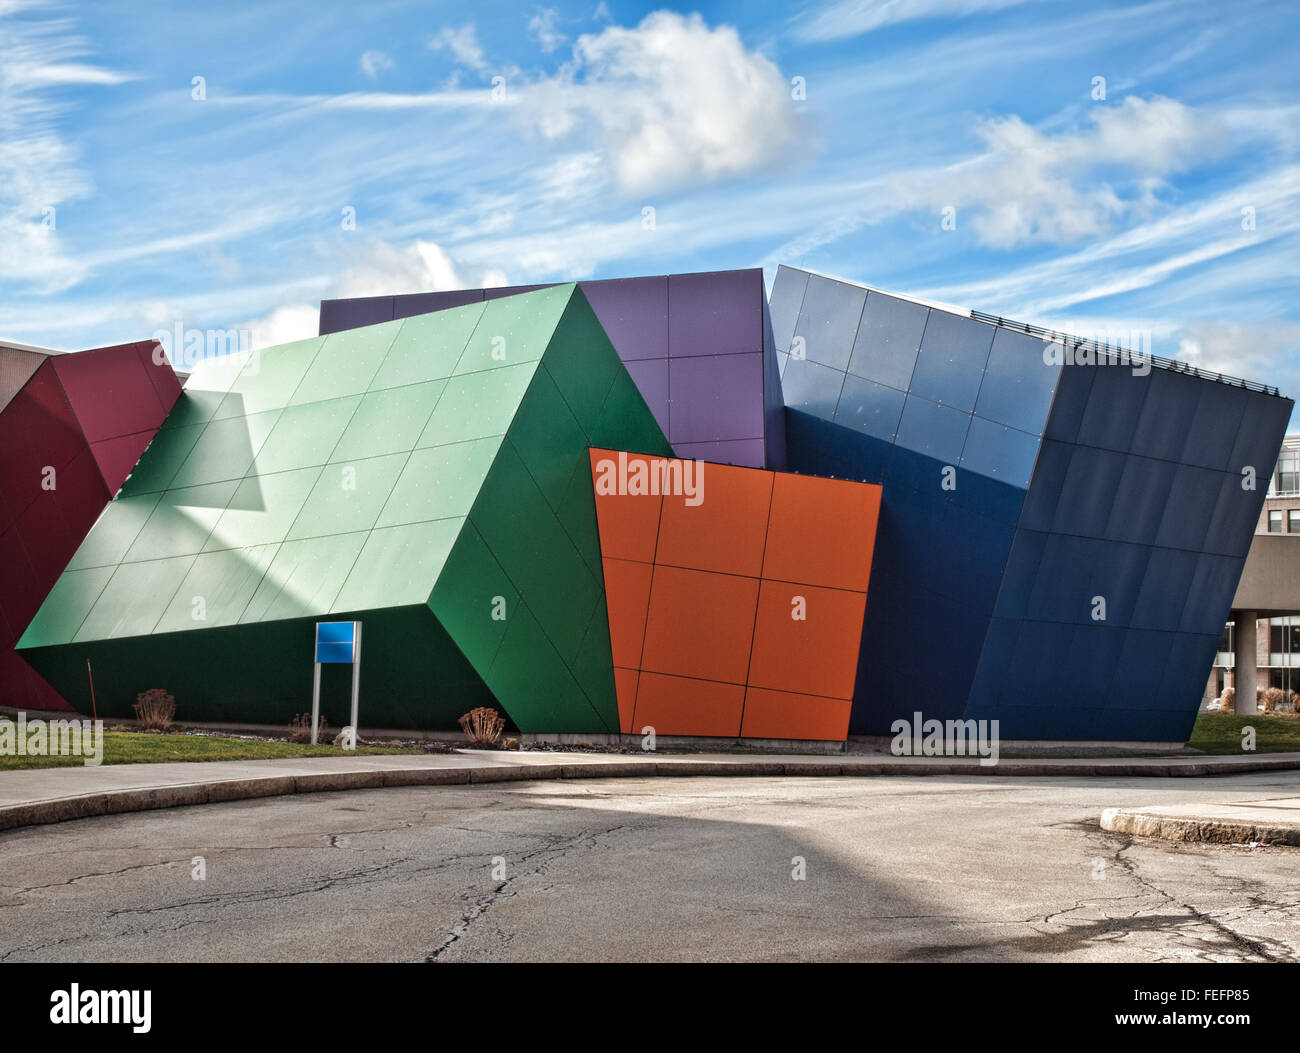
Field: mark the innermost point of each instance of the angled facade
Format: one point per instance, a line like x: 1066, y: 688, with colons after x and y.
x: 904, y: 508
x: 725, y: 621
x: 698, y: 346
x: 72, y: 425
x: 1061, y: 530
x: 428, y: 477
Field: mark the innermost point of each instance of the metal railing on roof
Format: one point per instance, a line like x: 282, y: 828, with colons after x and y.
x: 1115, y: 354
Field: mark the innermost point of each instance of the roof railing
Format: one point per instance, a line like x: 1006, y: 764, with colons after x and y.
x: 1121, y: 355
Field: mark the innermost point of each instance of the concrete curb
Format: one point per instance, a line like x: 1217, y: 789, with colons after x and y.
x: 249, y: 787
x: 1207, y: 829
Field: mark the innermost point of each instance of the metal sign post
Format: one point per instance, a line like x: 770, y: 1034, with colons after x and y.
x: 337, y: 642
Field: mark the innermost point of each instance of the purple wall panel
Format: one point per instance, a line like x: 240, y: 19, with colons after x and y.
x: 693, y: 343
x: 651, y: 378
x: 634, y: 313
x: 410, y: 304
x: 716, y: 397
x: 510, y: 290
x: 745, y: 452
x: 719, y: 313
x: 336, y: 315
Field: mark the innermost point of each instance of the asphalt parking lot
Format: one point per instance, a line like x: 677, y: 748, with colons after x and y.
x: 896, y: 869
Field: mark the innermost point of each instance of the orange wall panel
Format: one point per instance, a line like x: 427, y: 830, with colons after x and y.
x: 625, y: 687
x: 675, y: 705
x: 814, y: 656
x: 784, y: 715
x: 700, y: 599
x: 628, y: 523
x: 822, y: 531
x: 627, y: 592
x: 700, y: 624
x: 726, y: 530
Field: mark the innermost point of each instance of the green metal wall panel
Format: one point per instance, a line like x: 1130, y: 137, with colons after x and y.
x: 474, y: 599
x: 514, y: 329
x: 305, y: 578
x: 389, y: 421
x: 398, y: 565
x: 348, y: 497
x: 427, y: 347
x: 346, y: 367
x: 114, y: 532
x: 413, y: 676
x: 407, y: 474
x: 304, y: 435
x: 216, y: 589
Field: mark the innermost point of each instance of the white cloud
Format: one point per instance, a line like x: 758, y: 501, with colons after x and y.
x: 1253, y: 351
x: 282, y: 326
x: 542, y: 27
x: 1030, y: 186
x: 374, y: 63
x: 379, y: 269
x: 39, y: 171
x: 462, y: 43
x: 671, y: 100
x: 851, y: 18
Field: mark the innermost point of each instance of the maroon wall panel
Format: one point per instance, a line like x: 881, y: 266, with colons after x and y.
x: 88, y: 416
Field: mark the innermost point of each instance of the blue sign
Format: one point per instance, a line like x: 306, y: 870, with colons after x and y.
x: 336, y: 641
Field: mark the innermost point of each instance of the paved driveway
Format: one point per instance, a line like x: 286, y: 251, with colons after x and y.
x: 902, y: 868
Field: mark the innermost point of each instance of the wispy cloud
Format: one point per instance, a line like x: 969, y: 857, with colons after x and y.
x: 373, y: 63
x: 852, y: 18
x: 463, y: 45
x: 40, y: 170
x: 543, y: 28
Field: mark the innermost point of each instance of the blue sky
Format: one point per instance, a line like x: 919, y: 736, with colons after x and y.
x: 128, y: 206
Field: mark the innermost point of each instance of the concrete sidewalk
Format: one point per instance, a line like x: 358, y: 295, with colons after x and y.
x: 1269, y: 821
x: 49, y: 795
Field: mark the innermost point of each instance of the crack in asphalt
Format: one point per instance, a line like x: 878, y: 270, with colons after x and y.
x: 557, y: 849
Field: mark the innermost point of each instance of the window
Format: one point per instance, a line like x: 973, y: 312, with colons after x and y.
x: 1286, y: 477
x: 1275, y: 521
x: 1293, y: 521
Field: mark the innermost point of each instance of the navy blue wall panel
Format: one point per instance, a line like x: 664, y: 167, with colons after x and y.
x: 1073, y: 482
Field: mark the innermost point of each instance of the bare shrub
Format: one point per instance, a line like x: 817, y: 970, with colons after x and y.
x: 154, y: 709
x: 482, y: 726
x: 300, y: 728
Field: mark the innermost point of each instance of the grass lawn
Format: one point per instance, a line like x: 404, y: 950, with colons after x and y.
x: 129, y: 747
x: 1220, y: 733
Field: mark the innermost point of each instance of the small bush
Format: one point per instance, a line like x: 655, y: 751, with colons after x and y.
x: 1271, y: 699
x: 154, y: 709
x: 509, y: 744
x: 1229, y: 700
x: 300, y: 728
x: 482, y: 726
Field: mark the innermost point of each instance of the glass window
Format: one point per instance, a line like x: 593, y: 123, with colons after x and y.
x: 1293, y: 521
x: 1275, y: 521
